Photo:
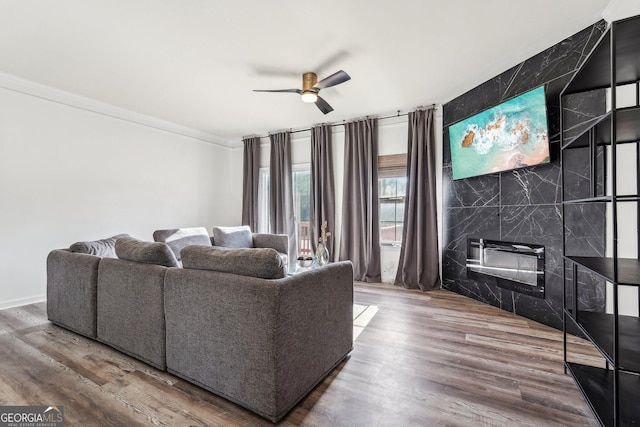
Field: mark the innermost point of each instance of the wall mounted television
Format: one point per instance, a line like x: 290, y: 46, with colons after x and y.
x: 511, y: 135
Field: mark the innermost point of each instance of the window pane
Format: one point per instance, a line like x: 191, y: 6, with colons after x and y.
x: 402, y: 186
x: 263, y: 201
x: 387, y: 212
x: 398, y: 230
x: 387, y: 231
x: 391, y: 195
x: 301, y: 185
x: 301, y: 199
x: 387, y: 187
x: 400, y: 212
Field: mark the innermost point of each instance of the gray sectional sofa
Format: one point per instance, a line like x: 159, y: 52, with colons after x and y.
x: 229, y: 320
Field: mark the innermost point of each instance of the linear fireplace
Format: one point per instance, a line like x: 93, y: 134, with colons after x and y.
x: 515, y: 266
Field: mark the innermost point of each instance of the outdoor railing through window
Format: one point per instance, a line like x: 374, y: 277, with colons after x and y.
x: 304, y: 238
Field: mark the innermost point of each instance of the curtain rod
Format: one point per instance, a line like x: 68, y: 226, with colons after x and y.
x: 343, y: 122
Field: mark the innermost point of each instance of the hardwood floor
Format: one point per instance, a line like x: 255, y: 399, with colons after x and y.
x: 425, y: 359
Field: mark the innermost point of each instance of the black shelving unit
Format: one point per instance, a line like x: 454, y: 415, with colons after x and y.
x: 612, y: 391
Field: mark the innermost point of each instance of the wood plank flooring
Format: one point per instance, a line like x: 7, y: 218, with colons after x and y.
x: 424, y: 359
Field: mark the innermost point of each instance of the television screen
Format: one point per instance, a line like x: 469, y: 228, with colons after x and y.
x: 510, y: 135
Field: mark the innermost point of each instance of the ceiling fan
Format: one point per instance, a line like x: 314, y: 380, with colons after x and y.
x: 311, y: 86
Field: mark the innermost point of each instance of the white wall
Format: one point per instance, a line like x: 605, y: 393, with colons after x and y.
x: 392, y: 139
x: 68, y: 174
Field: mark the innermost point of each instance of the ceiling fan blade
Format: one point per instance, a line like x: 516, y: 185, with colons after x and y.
x: 332, y: 80
x: 331, y: 62
x: 298, y: 91
x: 324, y: 106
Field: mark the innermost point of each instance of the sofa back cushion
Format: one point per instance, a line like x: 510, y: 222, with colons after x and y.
x: 104, y: 247
x: 179, y: 238
x: 158, y: 253
x: 233, y: 237
x: 264, y: 263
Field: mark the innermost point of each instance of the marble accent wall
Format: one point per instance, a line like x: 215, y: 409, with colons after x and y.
x: 524, y: 205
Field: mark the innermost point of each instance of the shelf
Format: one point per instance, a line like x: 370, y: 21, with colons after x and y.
x: 595, y: 72
x: 628, y: 268
x: 604, y: 199
x: 596, y: 385
x: 598, y: 199
x: 599, y: 328
x: 627, y: 129
x: 613, y: 62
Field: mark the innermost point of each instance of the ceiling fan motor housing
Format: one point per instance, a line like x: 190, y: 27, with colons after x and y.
x: 308, y: 81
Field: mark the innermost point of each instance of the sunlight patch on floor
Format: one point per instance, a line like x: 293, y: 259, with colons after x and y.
x: 362, y: 315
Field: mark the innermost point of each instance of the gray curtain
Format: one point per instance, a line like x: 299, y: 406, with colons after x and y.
x: 322, y: 187
x: 250, y: 179
x: 360, y: 234
x: 419, y: 262
x: 281, y: 215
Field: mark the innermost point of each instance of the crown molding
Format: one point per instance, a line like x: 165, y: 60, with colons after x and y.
x: 27, y: 87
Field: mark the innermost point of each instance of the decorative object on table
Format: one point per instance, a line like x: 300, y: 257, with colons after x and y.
x: 322, y: 253
x: 304, y: 261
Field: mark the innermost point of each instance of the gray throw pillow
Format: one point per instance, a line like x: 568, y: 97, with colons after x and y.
x: 158, y: 253
x: 104, y: 247
x: 264, y: 263
x: 233, y: 237
x: 179, y: 238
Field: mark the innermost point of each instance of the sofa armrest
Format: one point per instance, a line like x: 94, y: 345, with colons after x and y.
x: 314, y: 329
x: 279, y: 242
x: 71, y: 290
x: 263, y: 344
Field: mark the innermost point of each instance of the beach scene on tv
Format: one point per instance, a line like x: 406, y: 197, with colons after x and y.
x: 511, y: 135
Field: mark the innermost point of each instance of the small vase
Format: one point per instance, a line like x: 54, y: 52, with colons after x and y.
x: 322, y: 254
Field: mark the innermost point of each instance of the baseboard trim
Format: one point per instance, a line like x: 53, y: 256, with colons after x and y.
x: 22, y: 301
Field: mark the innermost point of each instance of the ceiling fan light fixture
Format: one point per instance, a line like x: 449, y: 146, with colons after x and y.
x: 309, y: 96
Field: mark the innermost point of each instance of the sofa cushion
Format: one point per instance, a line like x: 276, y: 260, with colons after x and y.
x: 158, y: 253
x: 104, y: 247
x: 179, y: 238
x: 264, y: 263
x: 233, y: 237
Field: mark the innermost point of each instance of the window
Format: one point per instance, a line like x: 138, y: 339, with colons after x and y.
x: 263, y: 201
x: 301, y: 205
x: 392, y: 187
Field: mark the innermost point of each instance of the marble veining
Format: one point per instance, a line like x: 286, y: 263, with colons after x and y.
x: 483, y: 191
x: 531, y: 186
x: 524, y: 205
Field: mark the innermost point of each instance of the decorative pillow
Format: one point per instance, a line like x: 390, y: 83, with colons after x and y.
x: 104, y: 247
x: 131, y: 249
x: 264, y: 263
x: 179, y: 238
x: 233, y: 237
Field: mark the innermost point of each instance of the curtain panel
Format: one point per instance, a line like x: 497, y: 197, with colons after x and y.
x: 360, y: 233
x: 250, y: 181
x: 322, y: 186
x: 281, y: 214
x: 419, y: 265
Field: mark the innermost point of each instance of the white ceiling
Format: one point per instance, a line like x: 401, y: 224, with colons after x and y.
x: 195, y: 62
